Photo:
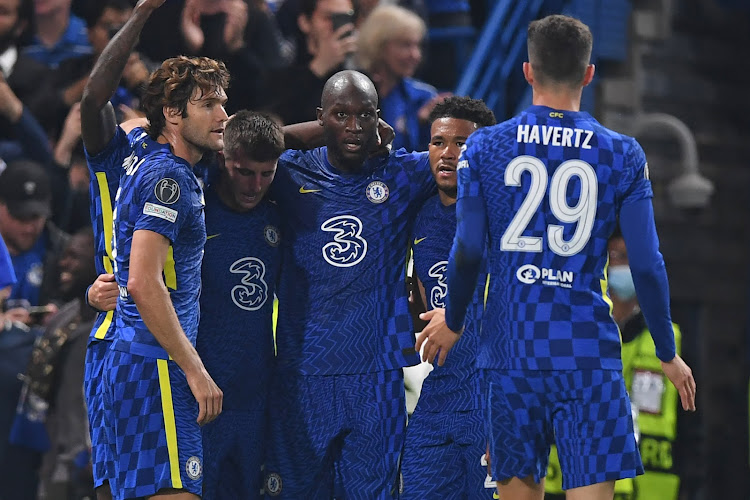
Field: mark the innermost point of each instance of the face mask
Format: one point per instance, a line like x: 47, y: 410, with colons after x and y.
x: 620, y: 282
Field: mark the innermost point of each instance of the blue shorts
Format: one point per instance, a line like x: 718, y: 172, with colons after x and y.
x: 233, y: 453
x: 157, y: 439
x: 335, y: 436
x: 443, y: 454
x: 587, y: 413
x: 93, y: 386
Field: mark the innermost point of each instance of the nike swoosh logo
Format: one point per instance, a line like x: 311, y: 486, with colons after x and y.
x: 302, y: 190
x: 213, y: 236
x: 417, y: 241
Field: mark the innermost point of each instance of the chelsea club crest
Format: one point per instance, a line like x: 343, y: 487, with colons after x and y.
x: 377, y: 192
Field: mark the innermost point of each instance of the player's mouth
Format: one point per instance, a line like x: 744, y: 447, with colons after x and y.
x: 219, y: 131
x: 352, y: 145
x: 249, y: 198
x: 445, y: 170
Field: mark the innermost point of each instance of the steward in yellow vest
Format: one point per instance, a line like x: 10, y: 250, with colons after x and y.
x: 651, y: 393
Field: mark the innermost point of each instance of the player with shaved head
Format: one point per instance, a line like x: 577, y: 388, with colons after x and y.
x: 344, y: 333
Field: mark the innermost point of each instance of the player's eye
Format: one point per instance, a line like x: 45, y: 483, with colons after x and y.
x: 341, y: 114
x: 437, y: 143
x: 460, y: 143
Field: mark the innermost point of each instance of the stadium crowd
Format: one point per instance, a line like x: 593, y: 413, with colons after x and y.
x: 86, y: 89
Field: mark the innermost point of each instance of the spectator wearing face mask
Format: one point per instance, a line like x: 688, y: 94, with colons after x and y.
x: 655, y: 399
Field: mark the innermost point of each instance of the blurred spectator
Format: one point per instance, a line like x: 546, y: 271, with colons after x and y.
x: 21, y: 71
x: 321, y: 53
x: 70, y: 177
x: 51, y: 414
x: 34, y: 243
x: 243, y: 35
x: 17, y: 465
x: 390, y: 52
x: 59, y: 35
x: 104, y: 18
x: 57, y: 377
x: 21, y: 135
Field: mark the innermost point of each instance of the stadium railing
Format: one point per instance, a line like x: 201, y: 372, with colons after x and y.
x: 493, y: 72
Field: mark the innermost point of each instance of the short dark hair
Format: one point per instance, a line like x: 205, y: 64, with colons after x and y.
x: 464, y: 108
x: 173, y: 84
x: 95, y: 10
x: 255, y: 135
x: 559, y: 50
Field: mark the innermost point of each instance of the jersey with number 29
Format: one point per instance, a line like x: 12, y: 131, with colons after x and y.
x: 552, y: 183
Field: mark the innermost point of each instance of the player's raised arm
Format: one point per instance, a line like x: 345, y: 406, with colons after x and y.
x: 98, y: 123
x: 652, y: 286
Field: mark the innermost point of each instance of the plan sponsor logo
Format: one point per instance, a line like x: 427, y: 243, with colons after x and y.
x: 530, y: 274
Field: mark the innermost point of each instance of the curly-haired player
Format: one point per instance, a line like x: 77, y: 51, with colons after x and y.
x: 445, y: 439
x: 158, y: 391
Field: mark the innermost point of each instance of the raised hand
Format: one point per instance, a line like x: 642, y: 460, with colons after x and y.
x: 11, y: 106
x: 332, y: 49
x: 190, y: 25
x: 234, y: 27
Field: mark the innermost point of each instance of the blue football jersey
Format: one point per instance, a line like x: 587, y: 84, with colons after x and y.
x: 159, y: 193
x: 456, y: 384
x: 343, y: 305
x: 105, y: 169
x: 552, y: 184
x: 240, y: 269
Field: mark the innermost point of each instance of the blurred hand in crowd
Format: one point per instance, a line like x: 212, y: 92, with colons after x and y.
x: 135, y: 72
x: 331, y: 48
x: 424, y: 112
x: 69, y: 137
x: 11, y: 106
x: 234, y: 28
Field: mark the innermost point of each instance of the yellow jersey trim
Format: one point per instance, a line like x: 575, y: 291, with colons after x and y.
x: 170, y: 428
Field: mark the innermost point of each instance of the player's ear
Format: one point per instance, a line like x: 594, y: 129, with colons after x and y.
x: 528, y: 73
x: 319, y: 114
x: 589, y: 74
x: 171, y: 114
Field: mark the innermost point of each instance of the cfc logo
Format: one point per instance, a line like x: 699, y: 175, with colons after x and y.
x: 271, y: 234
x: 193, y: 468
x: 348, y: 248
x: 377, y: 192
x: 252, y: 291
x: 273, y: 484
